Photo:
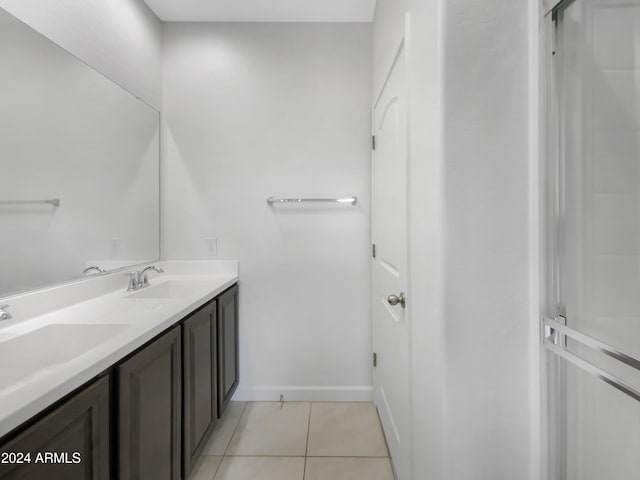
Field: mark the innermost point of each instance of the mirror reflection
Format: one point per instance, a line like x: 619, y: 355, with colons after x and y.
x: 79, y: 158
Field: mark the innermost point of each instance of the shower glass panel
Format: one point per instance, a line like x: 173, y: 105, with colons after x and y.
x: 593, y: 279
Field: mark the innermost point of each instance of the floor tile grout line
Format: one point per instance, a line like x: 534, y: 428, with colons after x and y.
x: 384, y: 435
x: 306, y: 456
x: 344, y: 456
x: 229, y: 442
x: 306, y: 450
x: 244, y: 409
x: 265, y: 456
x: 301, y: 456
x: 386, y: 444
x: 217, y: 468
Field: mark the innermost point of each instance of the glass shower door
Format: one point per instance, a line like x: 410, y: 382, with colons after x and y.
x: 592, y: 287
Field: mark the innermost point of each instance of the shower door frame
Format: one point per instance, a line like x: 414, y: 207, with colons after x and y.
x: 553, y: 402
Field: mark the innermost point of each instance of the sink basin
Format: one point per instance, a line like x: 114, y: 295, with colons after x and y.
x: 171, y: 289
x: 50, y: 346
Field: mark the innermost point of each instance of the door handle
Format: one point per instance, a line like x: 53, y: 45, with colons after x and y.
x: 395, y: 300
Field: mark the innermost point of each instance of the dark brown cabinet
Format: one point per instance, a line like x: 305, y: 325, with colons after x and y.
x: 148, y: 418
x: 149, y: 411
x: 70, y: 442
x: 228, y: 348
x: 200, y: 382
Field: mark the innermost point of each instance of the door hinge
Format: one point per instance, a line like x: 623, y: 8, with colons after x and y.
x: 373, y: 142
x: 375, y: 359
x: 373, y: 250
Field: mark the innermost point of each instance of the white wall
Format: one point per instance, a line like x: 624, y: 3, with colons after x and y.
x: 486, y: 133
x: 469, y: 233
x: 119, y: 38
x: 254, y: 110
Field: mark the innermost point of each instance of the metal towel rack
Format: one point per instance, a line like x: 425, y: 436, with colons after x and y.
x: 350, y: 200
x: 53, y: 201
x: 553, y: 341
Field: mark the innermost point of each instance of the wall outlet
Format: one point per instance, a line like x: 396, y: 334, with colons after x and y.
x: 211, y: 246
x: 115, y: 247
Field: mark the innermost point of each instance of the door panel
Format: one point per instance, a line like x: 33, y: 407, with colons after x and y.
x: 81, y: 425
x: 150, y: 413
x: 390, y: 326
x: 228, y: 354
x: 200, y: 382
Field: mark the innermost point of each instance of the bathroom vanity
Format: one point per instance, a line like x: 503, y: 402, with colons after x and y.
x: 101, y: 378
x: 148, y: 413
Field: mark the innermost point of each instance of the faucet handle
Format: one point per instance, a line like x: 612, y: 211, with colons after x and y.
x: 4, y: 315
x: 134, y: 281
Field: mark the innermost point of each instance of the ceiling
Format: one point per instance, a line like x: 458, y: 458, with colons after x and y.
x: 263, y: 10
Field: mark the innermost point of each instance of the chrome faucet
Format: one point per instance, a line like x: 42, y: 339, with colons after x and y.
x: 93, y: 267
x: 142, y: 276
x: 138, y: 280
x: 4, y: 315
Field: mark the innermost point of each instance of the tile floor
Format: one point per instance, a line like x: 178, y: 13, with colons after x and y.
x: 296, y: 441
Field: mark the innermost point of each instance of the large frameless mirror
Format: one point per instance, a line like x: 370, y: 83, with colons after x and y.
x: 79, y: 158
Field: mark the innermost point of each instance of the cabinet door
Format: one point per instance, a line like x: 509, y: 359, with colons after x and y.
x: 199, y: 388
x: 228, y: 364
x: 149, y: 401
x: 77, y: 431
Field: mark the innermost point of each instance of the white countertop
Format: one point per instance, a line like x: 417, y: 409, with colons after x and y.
x: 134, y: 322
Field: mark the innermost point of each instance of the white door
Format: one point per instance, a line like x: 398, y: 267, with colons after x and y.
x: 390, y: 328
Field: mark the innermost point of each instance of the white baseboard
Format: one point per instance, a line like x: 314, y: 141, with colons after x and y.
x: 303, y: 394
